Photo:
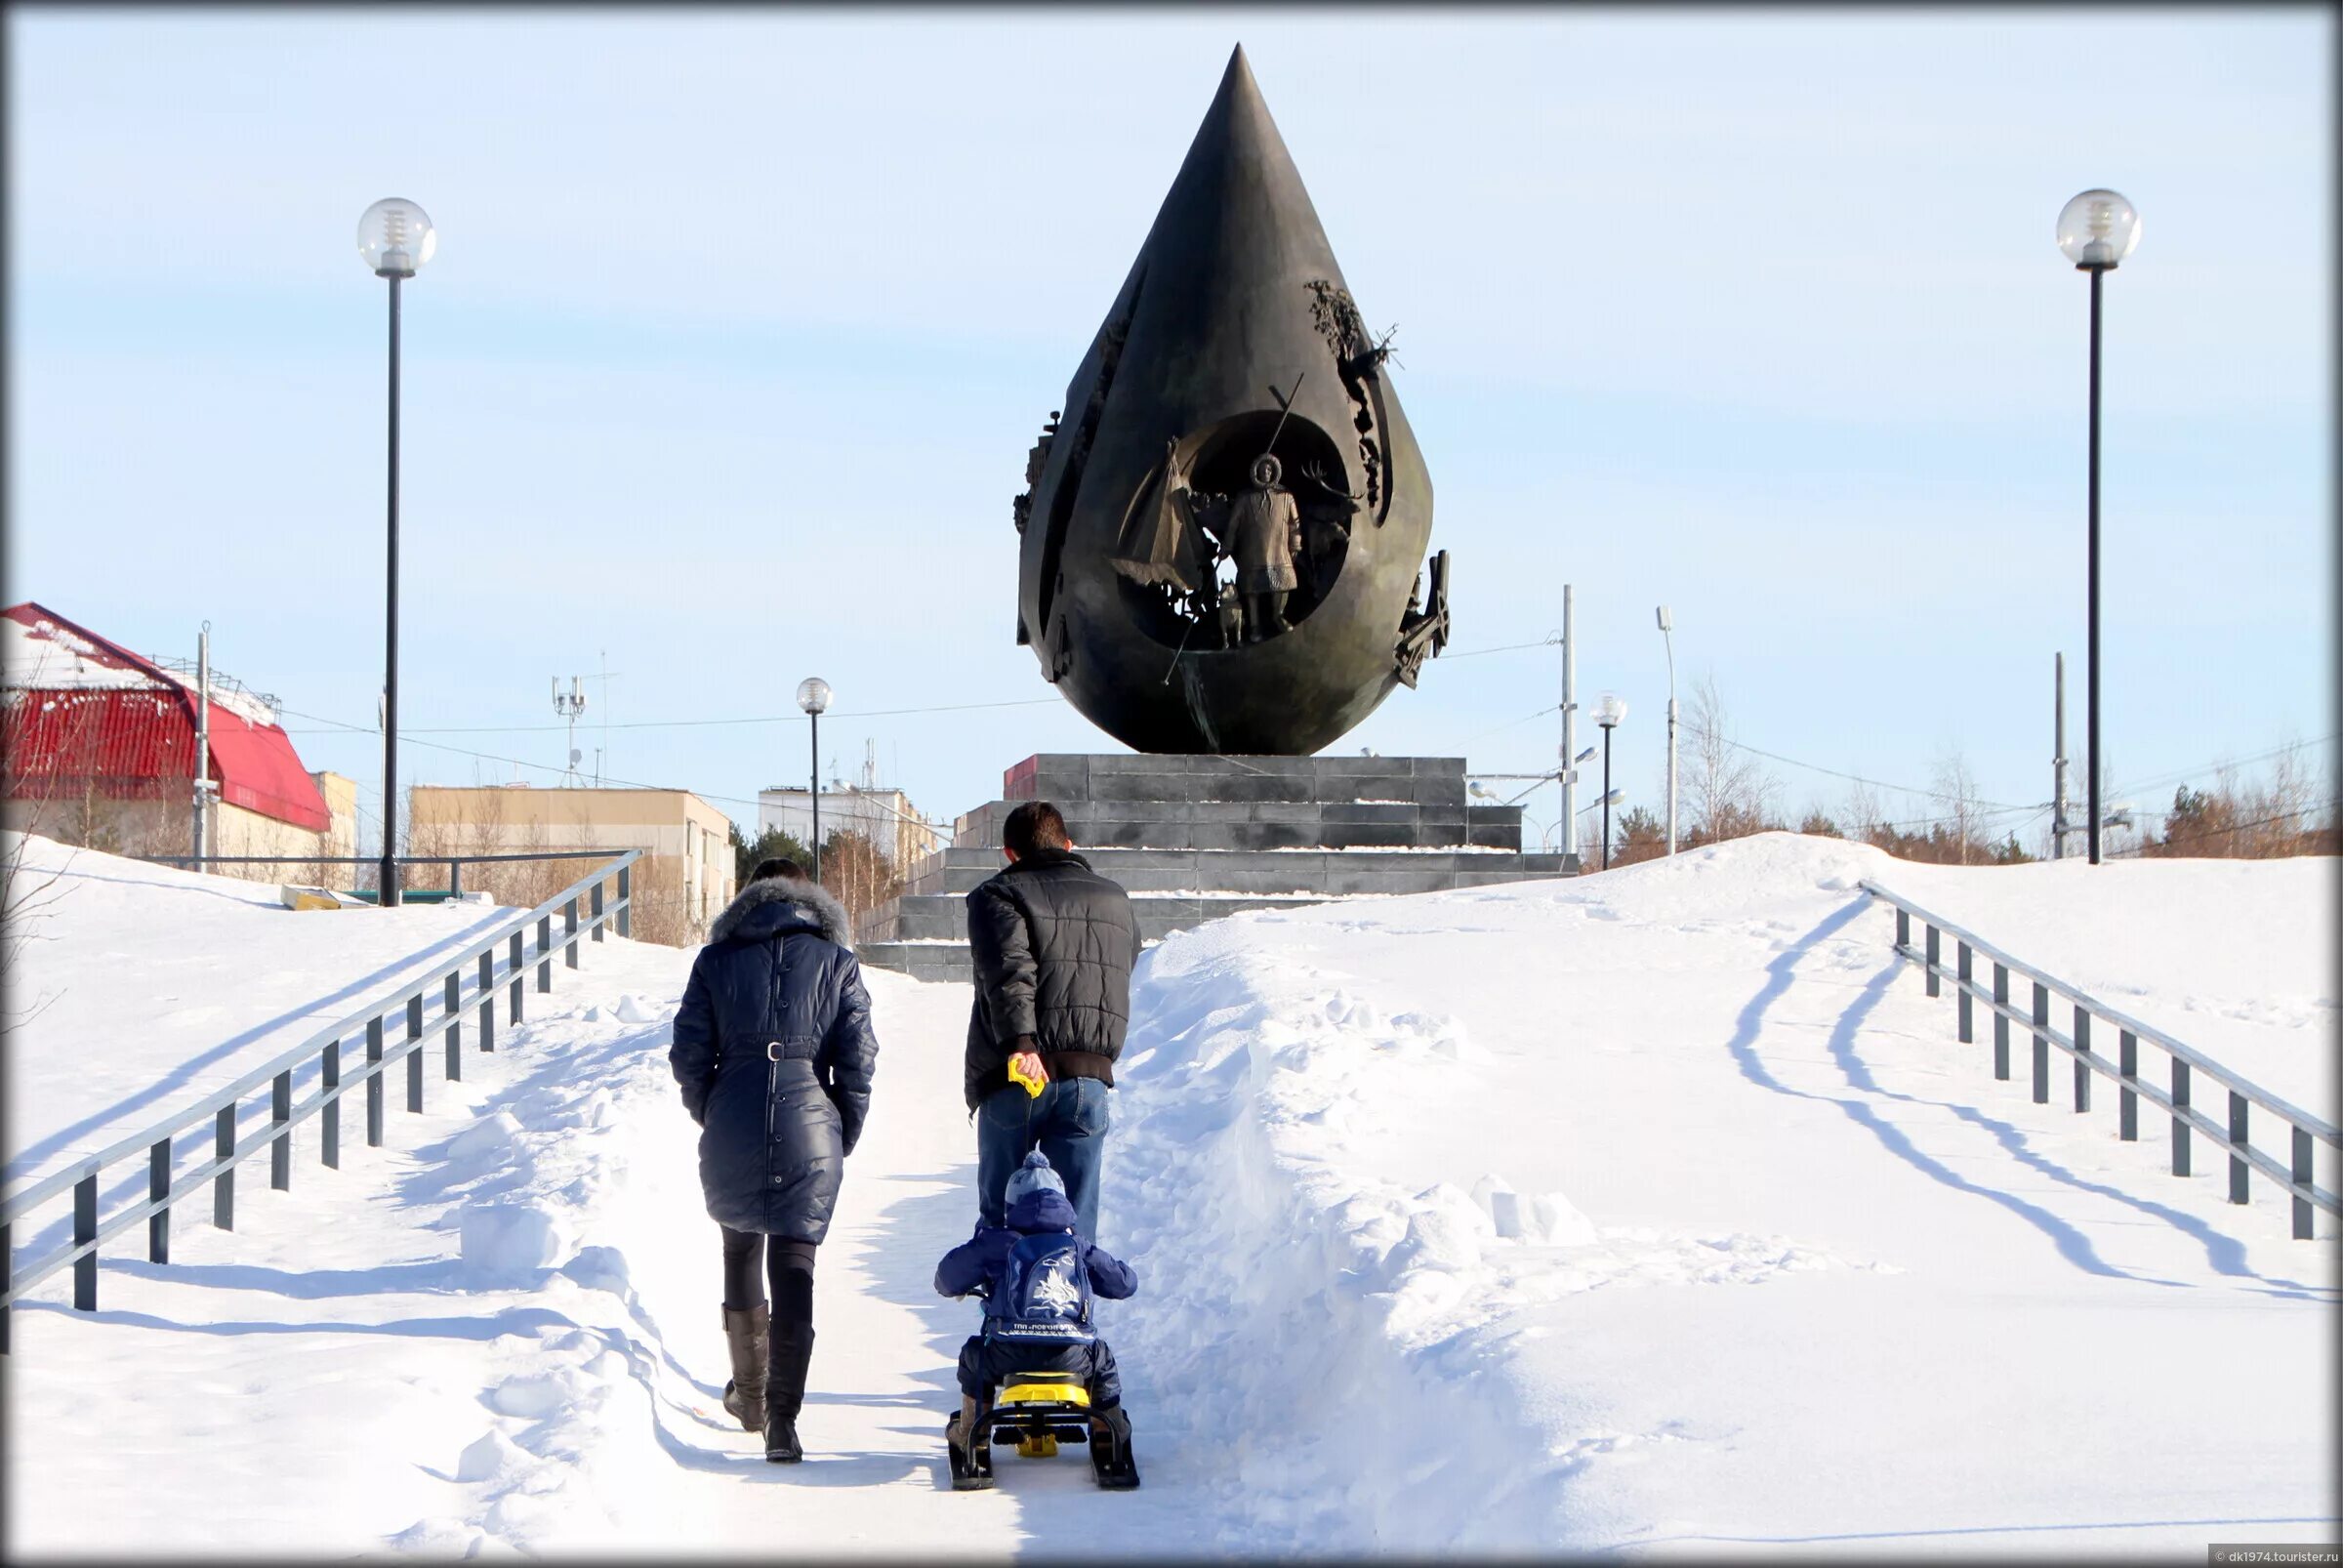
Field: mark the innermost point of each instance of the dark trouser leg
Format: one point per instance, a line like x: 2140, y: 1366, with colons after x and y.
x: 1073, y: 1135
x: 974, y: 1374
x: 744, y: 1252
x: 1106, y: 1380
x: 789, y: 1265
x: 1004, y: 1133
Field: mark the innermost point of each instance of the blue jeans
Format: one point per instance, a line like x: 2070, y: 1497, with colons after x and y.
x: 1067, y: 1122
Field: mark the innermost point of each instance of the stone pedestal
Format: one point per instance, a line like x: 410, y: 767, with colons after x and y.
x: 1196, y: 837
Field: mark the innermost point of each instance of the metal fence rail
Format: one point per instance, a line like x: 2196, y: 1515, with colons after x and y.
x: 500, y: 959
x: 2186, y: 1066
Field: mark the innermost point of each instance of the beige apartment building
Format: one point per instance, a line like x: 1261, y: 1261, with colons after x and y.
x: 683, y: 881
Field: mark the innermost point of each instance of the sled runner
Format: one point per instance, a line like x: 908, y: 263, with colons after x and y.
x: 1038, y: 1413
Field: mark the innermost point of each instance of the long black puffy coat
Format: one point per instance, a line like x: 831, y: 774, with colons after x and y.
x: 1054, y: 943
x: 774, y: 1050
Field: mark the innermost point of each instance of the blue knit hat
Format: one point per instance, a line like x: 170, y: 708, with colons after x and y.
x: 1031, y: 1177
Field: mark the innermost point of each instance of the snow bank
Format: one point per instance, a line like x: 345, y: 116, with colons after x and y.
x: 146, y: 988
x: 2235, y: 957
x: 1788, y: 1262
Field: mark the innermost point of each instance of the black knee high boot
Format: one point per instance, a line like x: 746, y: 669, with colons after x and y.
x: 785, y: 1391
x: 746, y: 1333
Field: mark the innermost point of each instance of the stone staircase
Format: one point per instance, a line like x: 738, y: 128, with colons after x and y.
x: 1193, y: 837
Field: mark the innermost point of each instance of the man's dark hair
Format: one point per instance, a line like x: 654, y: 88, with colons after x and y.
x: 786, y: 870
x: 1034, y: 825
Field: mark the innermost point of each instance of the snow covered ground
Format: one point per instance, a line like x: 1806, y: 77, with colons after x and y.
x: 147, y: 987
x: 1789, y: 1270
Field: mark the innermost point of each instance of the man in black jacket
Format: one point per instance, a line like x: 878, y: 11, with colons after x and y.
x: 1053, y: 944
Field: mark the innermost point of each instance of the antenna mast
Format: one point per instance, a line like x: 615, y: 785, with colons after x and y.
x: 568, y: 705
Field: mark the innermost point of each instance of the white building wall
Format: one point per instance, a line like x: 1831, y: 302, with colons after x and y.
x: 885, y: 817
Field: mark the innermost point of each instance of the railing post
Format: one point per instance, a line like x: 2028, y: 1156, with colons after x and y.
x: 2001, y: 1021
x: 2083, y: 1052
x: 626, y: 900
x: 2302, y: 1181
x: 374, y: 1084
x: 544, y: 953
x: 415, y: 1057
x: 280, y: 1116
x: 594, y: 907
x: 1930, y: 968
x: 487, y: 1001
x: 2238, y: 1170
x: 452, y: 996
x: 569, y: 928
x: 1968, y: 1023
x: 2042, y: 1043
x: 455, y: 879
x: 329, y: 1132
x: 2127, y: 1104
x: 513, y: 1010
x: 223, y: 1186
x: 158, y: 1187
x: 1903, y: 931
x: 85, y: 1232
x: 2180, y: 1125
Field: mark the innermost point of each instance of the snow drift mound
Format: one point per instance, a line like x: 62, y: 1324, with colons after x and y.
x: 140, y: 988
x: 1652, y: 1207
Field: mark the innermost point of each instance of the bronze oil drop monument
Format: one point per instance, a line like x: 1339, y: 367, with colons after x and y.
x: 1185, y: 594
x: 1222, y: 564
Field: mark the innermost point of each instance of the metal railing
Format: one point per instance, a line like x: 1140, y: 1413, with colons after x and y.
x: 462, y: 985
x: 455, y: 863
x: 2186, y: 1066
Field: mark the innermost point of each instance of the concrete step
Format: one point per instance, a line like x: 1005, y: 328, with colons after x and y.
x: 1235, y: 825
x: 926, y: 917
x: 957, y: 870
x: 922, y: 960
x: 1060, y: 777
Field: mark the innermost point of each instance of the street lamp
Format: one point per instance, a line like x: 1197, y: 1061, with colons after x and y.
x: 1667, y: 625
x: 1607, y: 712
x: 2096, y: 231
x: 395, y: 237
x: 813, y: 695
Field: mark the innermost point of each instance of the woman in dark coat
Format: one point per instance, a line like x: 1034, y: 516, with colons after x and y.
x: 774, y: 1050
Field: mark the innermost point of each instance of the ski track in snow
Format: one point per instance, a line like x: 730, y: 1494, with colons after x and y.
x: 1787, y: 1270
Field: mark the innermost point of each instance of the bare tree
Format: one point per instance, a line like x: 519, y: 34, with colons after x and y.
x: 1862, y: 812
x: 1728, y: 793
x: 859, y: 872
x: 1959, y: 805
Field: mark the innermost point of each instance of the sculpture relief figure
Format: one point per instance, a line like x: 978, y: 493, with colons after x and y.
x: 1264, y: 536
x: 1161, y: 545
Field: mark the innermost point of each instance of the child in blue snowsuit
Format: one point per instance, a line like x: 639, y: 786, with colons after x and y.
x: 1037, y: 1276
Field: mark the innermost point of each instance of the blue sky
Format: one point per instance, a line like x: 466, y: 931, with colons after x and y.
x: 742, y: 322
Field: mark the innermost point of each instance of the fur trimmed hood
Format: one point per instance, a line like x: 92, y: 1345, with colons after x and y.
x: 783, y: 896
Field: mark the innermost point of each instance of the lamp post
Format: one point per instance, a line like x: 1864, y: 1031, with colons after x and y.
x: 2096, y: 231
x: 395, y: 237
x: 813, y: 695
x: 1667, y: 625
x: 1607, y: 712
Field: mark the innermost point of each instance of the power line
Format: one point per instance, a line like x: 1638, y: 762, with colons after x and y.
x: 1554, y: 707
x: 339, y: 727
x: 2198, y: 771
x: 1815, y: 767
x: 1510, y: 647
x: 685, y: 723
x: 2216, y: 833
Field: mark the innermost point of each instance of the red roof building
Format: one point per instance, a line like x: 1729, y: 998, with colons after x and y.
x: 81, y: 713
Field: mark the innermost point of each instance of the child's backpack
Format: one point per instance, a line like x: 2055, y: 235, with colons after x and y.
x: 1045, y: 1294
